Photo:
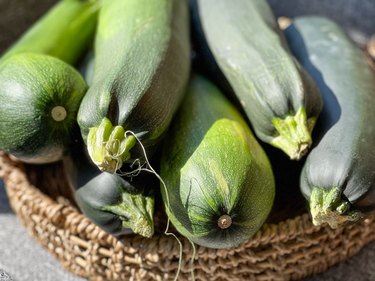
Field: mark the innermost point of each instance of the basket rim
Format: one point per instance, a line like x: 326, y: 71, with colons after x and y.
x: 292, y: 239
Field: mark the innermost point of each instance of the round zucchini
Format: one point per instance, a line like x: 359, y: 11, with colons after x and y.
x: 338, y: 177
x: 39, y: 100
x: 219, y: 185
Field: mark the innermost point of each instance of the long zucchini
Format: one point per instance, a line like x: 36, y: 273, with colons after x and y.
x: 39, y: 100
x: 219, y: 185
x: 141, y: 67
x: 338, y: 177
x: 281, y: 101
x: 65, y: 31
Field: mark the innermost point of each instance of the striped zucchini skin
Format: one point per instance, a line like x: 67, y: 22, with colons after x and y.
x: 39, y: 100
x: 142, y: 64
x: 219, y: 182
x: 338, y: 177
x: 281, y: 101
x: 65, y: 31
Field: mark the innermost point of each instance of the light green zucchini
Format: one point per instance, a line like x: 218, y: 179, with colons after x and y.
x: 219, y: 185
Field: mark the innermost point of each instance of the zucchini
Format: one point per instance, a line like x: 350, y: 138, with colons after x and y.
x: 39, y: 100
x: 338, y: 177
x: 141, y: 67
x: 65, y: 31
x: 280, y: 99
x: 219, y: 185
x: 109, y: 201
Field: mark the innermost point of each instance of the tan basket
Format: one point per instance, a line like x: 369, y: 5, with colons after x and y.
x: 288, y: 250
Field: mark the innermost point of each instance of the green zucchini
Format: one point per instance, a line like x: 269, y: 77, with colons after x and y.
x: 111, y: 202
x: 65, y: 31
x: 141, y: 67
x: 39, y: 100
x: 280, y: 99
x: 338, y: 177
x: 219, y: 185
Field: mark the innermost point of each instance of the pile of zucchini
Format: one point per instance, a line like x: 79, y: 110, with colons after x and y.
x: 166, y: 105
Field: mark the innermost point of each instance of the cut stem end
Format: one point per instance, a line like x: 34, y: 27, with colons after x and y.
x: 294, y: 134
x: 329, y: 206
x: 58, y: 113
x: 224, y: 222
x: 108, y: 146
x: 136, y: 211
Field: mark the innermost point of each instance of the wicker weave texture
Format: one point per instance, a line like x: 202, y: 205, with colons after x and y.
x: 289, y: 250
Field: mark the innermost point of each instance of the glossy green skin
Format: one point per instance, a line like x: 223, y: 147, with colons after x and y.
x: 65, y: 31
x: 102, y: 190
x: 247, y: 45
x: 344, y: 157
x: 213, y: 166
x: 96, y: 192
x: 142, y: 64
x: 31, y: 85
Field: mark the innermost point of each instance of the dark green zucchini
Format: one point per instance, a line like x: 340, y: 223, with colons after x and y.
x: 338, y: 177
x: 111, y: 202
x: 280, y: 99
x: 39, y: 100
x: 65, y: 31
x: 219, y: 183
x: 141, y: 67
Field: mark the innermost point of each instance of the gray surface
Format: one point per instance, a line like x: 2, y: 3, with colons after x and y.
x: 21, y: 257
x: 25, y: 260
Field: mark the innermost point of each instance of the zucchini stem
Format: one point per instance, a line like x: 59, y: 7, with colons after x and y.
x: 108, y: 146
x: 136, y: 212
x: 294, y: 134
x: 329, y: 206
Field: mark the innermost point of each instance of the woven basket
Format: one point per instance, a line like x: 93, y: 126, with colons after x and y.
x: 286, y: 250
x: 289, y: 250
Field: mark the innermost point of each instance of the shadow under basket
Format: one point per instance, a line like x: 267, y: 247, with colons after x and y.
x: 288, y: 250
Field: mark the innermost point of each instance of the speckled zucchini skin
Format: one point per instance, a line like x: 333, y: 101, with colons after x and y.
x: 142, y: 64
x: 39, y: 100
x: 280, y: 99
x: 219, y: 182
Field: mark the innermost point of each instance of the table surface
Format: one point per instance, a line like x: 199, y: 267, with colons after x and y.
x: 22, y: 258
